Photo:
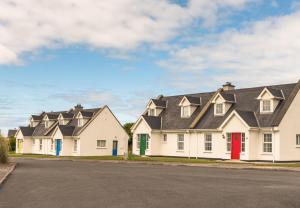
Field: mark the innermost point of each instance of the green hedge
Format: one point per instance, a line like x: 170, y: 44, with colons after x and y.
x: 3, y: 150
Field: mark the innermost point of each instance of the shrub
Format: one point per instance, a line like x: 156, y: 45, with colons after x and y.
x: 3, y: 150
x: 12, y: 144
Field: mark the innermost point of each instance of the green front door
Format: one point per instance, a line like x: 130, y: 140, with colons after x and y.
x: 143, y: 144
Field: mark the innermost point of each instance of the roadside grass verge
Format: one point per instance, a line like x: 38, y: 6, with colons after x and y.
x: 134, y: 158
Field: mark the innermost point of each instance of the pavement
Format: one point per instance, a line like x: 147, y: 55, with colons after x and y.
x: 72, y: 184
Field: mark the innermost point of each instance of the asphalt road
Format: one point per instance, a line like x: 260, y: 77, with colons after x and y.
x: 68, y: 184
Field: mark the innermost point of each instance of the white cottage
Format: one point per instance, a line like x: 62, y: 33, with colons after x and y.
x: 77, y: 132
x: 252, y: 124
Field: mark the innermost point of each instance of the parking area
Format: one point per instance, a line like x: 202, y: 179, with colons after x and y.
x: 47, y: 183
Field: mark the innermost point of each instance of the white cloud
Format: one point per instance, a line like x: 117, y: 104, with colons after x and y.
x: 29, y: 25
x: 263, y: 52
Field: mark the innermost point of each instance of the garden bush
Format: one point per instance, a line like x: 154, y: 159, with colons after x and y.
x: 3, y: 150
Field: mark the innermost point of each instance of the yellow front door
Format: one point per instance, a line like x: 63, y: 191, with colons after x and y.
x: 20, y: 146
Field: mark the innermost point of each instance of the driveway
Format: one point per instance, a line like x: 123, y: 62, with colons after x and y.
x: 46, y: 183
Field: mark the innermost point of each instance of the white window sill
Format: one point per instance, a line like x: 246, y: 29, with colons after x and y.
x: 101, y: 148
x: 266, y: 153
x: 207, y: 152
x: 297, y: 146
x: 179, y: 150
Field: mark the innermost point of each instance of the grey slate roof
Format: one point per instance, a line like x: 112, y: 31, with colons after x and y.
x: 71, y: 128
x: 26, y: 131
x: 153, y: 121
x: 159, y: 103
x: 246, y: 105
x: 37, y: 117
x: 228, y: 97
x: 193, y: 100
x: 12, y: 132
x: 275, y: 92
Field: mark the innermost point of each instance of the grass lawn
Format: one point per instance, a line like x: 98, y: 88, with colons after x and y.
x: 158, y: 159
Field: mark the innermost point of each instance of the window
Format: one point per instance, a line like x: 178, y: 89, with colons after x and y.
x: 61, y: 122
x: 266, y: 106
x: 267, y: 144
x: 208, y: 142
x: 46, y: 124
x: 33, y: 141
x: 180, y: 142
x: 219, y: 108
x: 298, y: 139
x: 228, y: 148
x: 185, y: 111
x: 52, y: 144
x: 243, y: 144
x: 41, y: 144
x: 165, y: 138
x: 138, y: 141
x: 75, y: 145
x: 147, y: 143
x: 151, y: 112
x: 80, y: 122
x: 101, y: 143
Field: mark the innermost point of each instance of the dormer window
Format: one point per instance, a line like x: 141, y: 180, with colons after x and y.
x: 219, y: 109
x: 269, y: 99
x: 151, y: 112
x: 185, y: 111
x: 266, y: 105
x: 80, y: 122
x: 46, y: 124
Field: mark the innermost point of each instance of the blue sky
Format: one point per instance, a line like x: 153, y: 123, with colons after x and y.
x: 122, y: 53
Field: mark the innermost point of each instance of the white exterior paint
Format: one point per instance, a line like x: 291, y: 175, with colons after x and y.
x: 103, y: 126
x: 284, y: 146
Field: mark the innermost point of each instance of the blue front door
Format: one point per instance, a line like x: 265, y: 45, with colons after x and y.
x: 58, y: 146
x: 115, y: 148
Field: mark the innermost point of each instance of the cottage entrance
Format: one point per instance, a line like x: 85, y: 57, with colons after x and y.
x: 115, y: 148
x: 58, y: 147
x: 20, y: 146
x: 143, y: 143
x: 235, y: 146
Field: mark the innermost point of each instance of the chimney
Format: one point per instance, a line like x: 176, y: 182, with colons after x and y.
x: 228, y: 86
x: 78, y: 107
x: 159, y: 97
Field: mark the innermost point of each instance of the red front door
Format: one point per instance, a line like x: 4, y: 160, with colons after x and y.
x: 235, y: 146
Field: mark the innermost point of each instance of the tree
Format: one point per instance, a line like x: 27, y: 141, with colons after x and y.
x: 12, y: 144
x: 3, y: 150
x: 127, y: 127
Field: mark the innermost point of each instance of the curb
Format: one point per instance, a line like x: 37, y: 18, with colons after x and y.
x: 12, y: 168
x: 207, y: 165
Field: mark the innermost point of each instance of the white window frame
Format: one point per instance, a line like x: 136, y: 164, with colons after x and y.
x: 152, y: 112
x: 185, y: 111
x: 80, y: 122
x: 221, y: 105
x: 266, y: 108
x: 243, y: 142
x: 40, y: 144
x: 298, y: 140
x: 138, y: 141
x: 75, y: 145
x: 100, y: 144
x: 165, y: 138
x: 267, y: 145
x: 180, y: 142
x: 228, y: 142
x: 208, y: 143
x: 52, y: 144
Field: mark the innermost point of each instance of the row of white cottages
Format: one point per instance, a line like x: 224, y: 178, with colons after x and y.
x: 77, y: 132
x: 252, y: 124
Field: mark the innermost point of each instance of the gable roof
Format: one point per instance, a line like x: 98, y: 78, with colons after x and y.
x: 153, y: 121
x: 26, y: 130
x: 193, y: 100
x: 71, y: 128
x: 159, y: 103
x: 244, y: 102
x: 12, y: 132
